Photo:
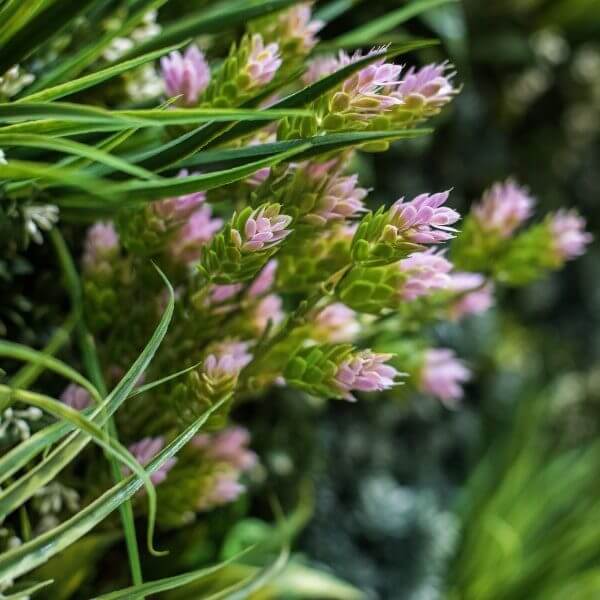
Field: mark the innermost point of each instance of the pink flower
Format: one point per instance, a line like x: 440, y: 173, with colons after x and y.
x: 263, y: 61
x: 197, y: 232
x: 503, y: 208
x: 180, y: 207
x: 144, y: 451
x: 320, y: 67
x: 474, y: 294
x: 76, y: 397
x: 101, y: 243
x: 569, y: 235
x: 365, y: 371
x: 229, y: 446
x: 423, y: 220
x: 226, y: 360
x: 264, y: 229
x: 429, y: 87
x: 268, y: 310
x: 442, y: 375
x: 265, y: 280
x: 225, y: 488
x: 336, y: 324
x: 341, y: 199
x: 426, y: 272
x: 222, y: 293
x: 296, y: 24
x: 186, y: 75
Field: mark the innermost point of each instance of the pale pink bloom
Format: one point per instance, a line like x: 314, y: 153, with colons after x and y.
x: 430, y: 87
x: 181, y: 207
x: 503, y: 208
x: 222, y: 293
x: 569, y: 235
x: 443, y: 375
x: 336, y: 324
x: 341, y: 198
x: 365, y: 371
x: 295, y: 23
x: 264, y: 281
x: 258, y: 177
x: 263, y: 61
x: 263, y: 229
x: 76, y: 397
x: 101, y: 242
x: 144, y: 451
x: 187, y: 75
x: 426, y: 272
x: 226, y: 360
x: 474, y: 294
x: 197, y: 232
x: 225, y: 489
x: 268, y: 310
x: 229, y: 446
x: 423, y: 220
x: 320, y: 67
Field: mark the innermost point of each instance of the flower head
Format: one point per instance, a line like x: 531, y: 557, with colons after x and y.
x: 38, y: 218
x: 179, y: 208
x: 187, y: 75
x: 341, y: 199
x: 442, y: 375
x: 569, y: 236
x: 264, y: 229
x: 224, y: 488
x: 101, y: 242
x: 429, y: 87
x: 76, y: 397
x: 320, y: 67
x: 264, y: 281
x: 296, y: 24
x: 503, y: 208
x: 197, y: 232
x: 268, y: 310
x: 145, y: 450
x: 365, y: 371
x: 474, y: 294
x: 336, y: 324
x: 229, y: 446
x: 226, y: 360
x: 425, y: 273
x: 263, y: 61
x: 423, y: 220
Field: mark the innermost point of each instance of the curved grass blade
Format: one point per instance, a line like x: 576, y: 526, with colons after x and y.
x: 21, y: 454
x: 22, y: 489
x: 26, y: 593
x: 213, y: 20
x: 30, y: 140
x: 112, y: 446
x: 37, y: 551
x: 88, y: 81
x: 135, y: 193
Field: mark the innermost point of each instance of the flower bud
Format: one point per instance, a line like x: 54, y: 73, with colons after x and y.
x: 76, y: 397
x: 187, y: 76
x: 144, y: 451
x: 442, y: 375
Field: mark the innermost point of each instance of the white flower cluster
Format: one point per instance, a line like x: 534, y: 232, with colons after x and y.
x: 13, y: 81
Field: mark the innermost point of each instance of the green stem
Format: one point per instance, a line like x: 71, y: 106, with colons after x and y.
x: 92, y: 366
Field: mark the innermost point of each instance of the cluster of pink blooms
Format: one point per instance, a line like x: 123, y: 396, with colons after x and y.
x: 101, y: 242
x: 186, y: 75
x: 503, y: 208
x: 442, y: 375
x: 341, y: 197
x: 431, y: 86
x: 264, y: 281
x: 263, y: 229
x: 76, y: 397
x: 475, y: 294
x: 425, y: 273
x: 179, y: 208
x: 569, y: 237
x: 144, y: 451
x: 365, y: 371
x: 423, y: 220
x: 336, y: 324
x: 197, y: 232
x: 268, y: 310
x: 263, y: 61
x: 229, y: 452
x: 296, y: 24
x: 226, y: 361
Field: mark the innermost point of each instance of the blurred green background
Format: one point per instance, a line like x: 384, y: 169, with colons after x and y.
x: 418, y: 502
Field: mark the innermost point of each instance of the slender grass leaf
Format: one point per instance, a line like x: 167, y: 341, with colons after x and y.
x: 30, y: 140
x: 365, y: 34
x: 26, y: 593
x: 22, y: 489
x: 14, y: 18
x: 83, y: 83
x: 335, y: 9
x: 37, y: 551
x: 213, y: 20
